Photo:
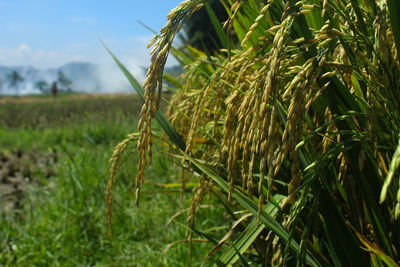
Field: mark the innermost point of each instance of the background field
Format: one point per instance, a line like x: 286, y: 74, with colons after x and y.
x: 54, y: 170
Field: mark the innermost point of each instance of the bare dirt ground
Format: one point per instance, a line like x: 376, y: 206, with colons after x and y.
x: 19, y: 171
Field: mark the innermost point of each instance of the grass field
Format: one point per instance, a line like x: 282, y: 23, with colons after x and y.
x: 58, y: 218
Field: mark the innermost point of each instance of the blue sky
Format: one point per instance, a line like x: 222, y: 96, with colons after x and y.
x: 50, y: 33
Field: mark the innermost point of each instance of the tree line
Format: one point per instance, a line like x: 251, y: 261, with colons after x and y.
x: 15, y: 79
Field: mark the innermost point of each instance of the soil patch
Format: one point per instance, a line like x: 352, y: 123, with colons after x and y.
x: 21, y: 170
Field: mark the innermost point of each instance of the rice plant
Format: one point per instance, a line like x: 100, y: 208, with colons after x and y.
x: 297, y: 124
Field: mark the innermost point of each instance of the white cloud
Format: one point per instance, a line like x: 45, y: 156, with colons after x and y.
x: 78, y: 19
x: 24, y: 55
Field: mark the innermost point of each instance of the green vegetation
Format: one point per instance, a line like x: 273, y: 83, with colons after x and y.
x: 40, y: 112
x: 199, y: 31
x: 61, y: 219
x: 298, y: 127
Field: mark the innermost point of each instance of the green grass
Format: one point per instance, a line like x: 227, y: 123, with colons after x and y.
x: 63, y: 221
x: 40, y: 112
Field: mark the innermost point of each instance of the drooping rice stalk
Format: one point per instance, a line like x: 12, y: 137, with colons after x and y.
x: 302, y: 115
x: 153, y: 83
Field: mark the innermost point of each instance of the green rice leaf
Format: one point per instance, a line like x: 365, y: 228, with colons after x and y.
x: 373, y: 248
x: 245, y: 240
x: 217, y: 26
x: 250, y: 234
x: 394, y: 10
x: 394, y: 165
x: 252, y: 207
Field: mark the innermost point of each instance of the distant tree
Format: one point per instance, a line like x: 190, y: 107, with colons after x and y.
x: 42, y: 85
x: 14, y: 78
x: 64, y: 81
x: 199, y: 30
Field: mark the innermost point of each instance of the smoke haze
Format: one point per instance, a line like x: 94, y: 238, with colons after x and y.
x: 85, y: 77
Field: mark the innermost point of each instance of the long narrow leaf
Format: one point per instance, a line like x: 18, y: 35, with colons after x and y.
x: 394, y: 10
x: 252, y: 207
x: 245, y: 240
x: 217, y: 26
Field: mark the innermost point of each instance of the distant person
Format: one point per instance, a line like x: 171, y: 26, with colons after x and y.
x: 54, y: 89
